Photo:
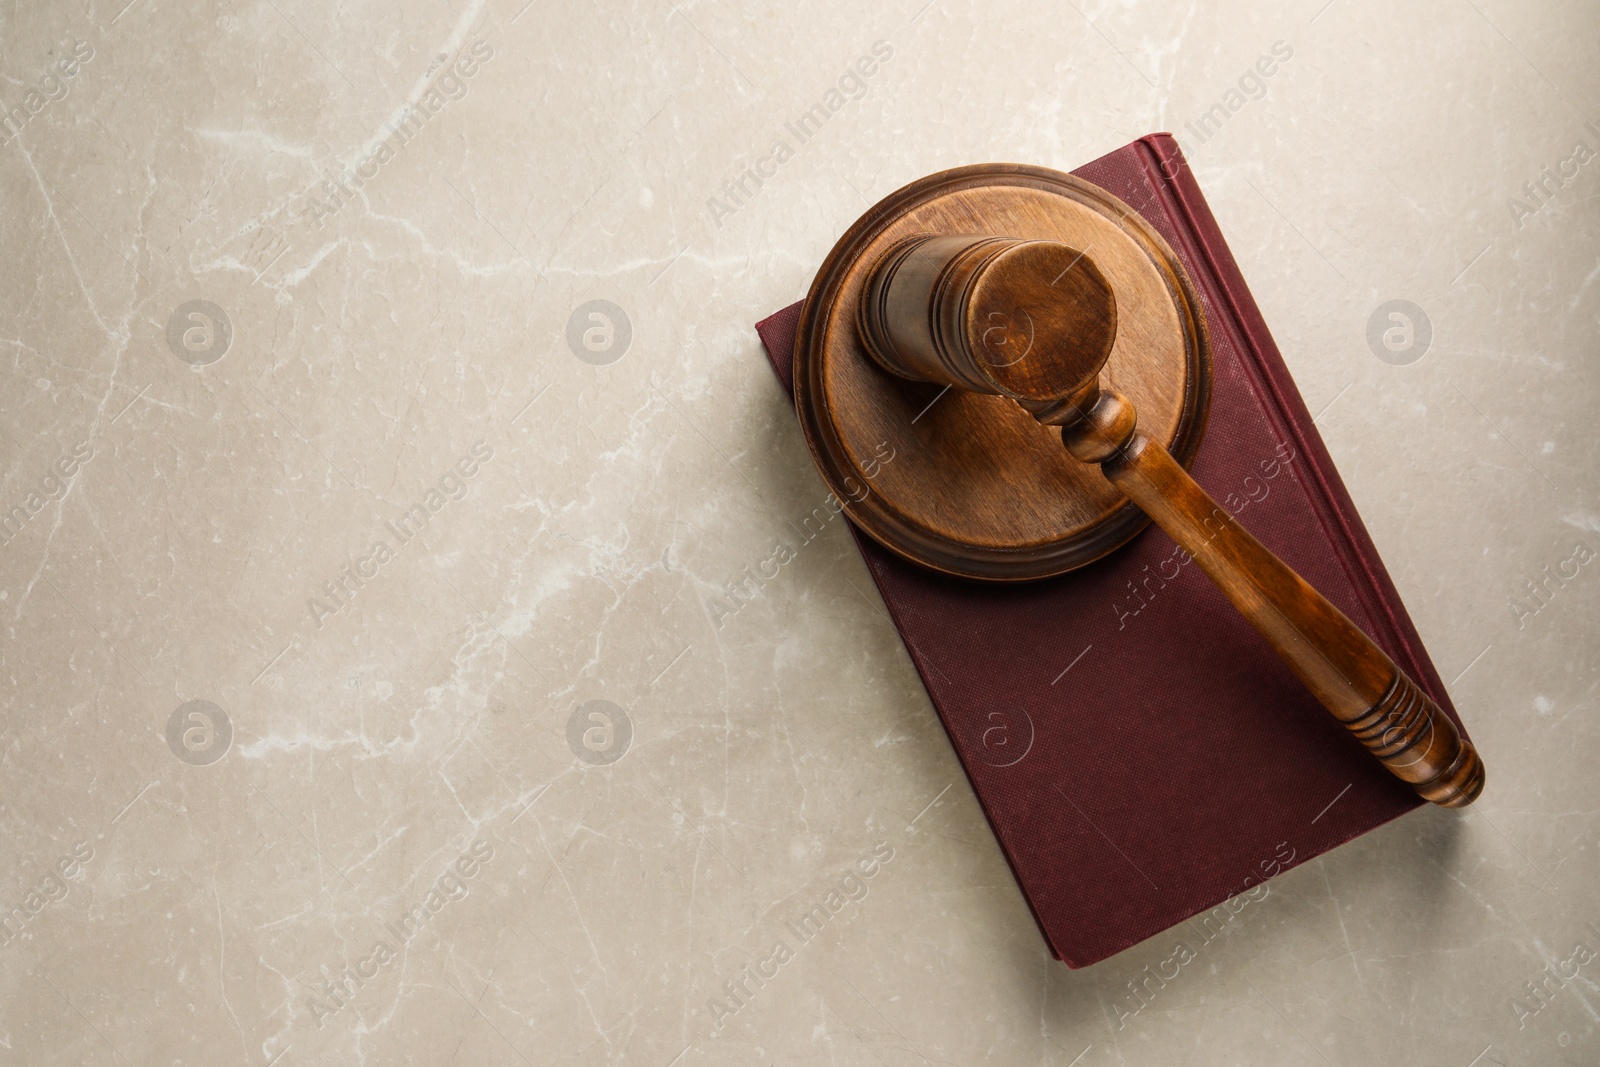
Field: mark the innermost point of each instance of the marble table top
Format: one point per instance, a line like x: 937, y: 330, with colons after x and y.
x: 394, y: 667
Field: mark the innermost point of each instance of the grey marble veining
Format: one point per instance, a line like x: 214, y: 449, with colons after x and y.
x: 383, y: 434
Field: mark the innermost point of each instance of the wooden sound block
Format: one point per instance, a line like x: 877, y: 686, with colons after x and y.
x: 977, y: 487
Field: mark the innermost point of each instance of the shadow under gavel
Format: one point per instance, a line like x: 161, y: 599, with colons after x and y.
x: 1035, y: 321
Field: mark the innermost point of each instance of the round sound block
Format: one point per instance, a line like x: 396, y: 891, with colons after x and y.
x: 967, y: 483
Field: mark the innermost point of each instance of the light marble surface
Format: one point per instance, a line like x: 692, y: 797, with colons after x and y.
x: 406, y: 335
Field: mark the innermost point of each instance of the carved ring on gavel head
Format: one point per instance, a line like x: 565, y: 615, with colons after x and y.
x: 973, y: 316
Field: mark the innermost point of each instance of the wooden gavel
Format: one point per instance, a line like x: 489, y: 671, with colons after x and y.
x: 1035, y: 321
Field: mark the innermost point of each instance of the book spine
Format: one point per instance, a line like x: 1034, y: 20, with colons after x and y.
x: 1170, y: 174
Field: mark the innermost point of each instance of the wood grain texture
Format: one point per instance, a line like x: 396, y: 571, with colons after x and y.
x: 978, y: 488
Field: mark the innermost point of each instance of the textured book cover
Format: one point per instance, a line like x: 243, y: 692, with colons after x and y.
x: 1139, y: 751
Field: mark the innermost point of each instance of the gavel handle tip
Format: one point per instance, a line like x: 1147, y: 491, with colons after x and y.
x: 1460, y: 784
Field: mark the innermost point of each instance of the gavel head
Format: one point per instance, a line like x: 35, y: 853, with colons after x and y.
x: 1031, y: 320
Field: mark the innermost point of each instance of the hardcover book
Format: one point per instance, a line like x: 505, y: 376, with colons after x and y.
x: 1139, y: 751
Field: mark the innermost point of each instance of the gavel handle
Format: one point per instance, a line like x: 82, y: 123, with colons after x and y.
x: 1375, y: 700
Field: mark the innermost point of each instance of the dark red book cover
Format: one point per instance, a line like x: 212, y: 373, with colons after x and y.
x: 1139, y: 751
